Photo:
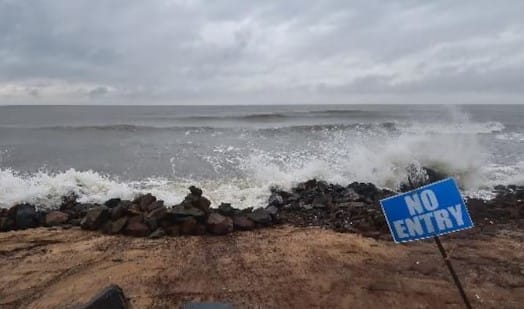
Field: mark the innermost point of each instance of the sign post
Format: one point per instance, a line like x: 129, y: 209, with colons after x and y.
x: 429, y: 211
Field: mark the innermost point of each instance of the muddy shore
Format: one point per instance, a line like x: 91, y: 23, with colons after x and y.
x: 279, y: 267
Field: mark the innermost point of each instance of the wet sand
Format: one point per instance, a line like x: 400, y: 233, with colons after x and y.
x: 282, y: 267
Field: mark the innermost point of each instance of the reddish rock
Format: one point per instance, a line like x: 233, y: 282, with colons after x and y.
x: 243, y: 223
x: 137, y: 229
x: 219, y: 225
x: 146, y: 200
x: 188, y: 226
x: 200, y: 229
x: 56, y: 218
x: 173, y: 230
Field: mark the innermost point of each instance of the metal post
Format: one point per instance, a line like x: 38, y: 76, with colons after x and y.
x: 452, y: 271
x: 448, y: 263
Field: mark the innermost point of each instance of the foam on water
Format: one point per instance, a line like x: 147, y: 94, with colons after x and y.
x: 242, y: 174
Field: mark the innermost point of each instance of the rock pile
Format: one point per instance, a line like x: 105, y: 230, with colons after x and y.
x: 144, y: 216
x: 353, y: 208
x: 506, y: 206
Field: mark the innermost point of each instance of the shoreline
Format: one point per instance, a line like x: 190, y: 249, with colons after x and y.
x: 318, y: 245
x: 354, y: 208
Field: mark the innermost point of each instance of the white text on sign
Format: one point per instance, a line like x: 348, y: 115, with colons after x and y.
x: 426, y: 217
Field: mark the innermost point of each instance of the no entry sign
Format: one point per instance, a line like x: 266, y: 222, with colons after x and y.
x: 428, y: 211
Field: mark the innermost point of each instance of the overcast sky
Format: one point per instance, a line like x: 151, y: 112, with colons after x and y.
x: 245, y: 52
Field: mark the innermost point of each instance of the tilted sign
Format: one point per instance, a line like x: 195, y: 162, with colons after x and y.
x: 428, y: 211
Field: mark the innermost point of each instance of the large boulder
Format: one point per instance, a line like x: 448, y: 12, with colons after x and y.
x: 118, y: 225
x: 260, y: 216
x: 119, y: 211
x: 243, y: 223
x: 53, y: 218
x: 155, y: 205
x: 136, y: 227
x: 26, y: 216
x: 218, y: 224
x: 158, y: 213
x: 95, y: 218
x: 112, y: 203
x: 154, y: 218
x: 226, y: 209
x: 143, y: 201
x: 195, y: 199
x: 186, y: 211
x: 190, y: 226
x: 275, y: 199
x: 6, y: 224
x: 273, y: 211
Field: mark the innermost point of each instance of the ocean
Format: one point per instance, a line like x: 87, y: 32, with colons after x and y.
x: 236, y: 153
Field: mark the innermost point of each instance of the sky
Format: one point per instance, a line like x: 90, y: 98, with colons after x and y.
x: 261, y: 52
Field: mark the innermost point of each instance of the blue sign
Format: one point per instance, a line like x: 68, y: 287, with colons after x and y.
x: 428, y: 211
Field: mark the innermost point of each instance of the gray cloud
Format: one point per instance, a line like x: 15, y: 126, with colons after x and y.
x: 190, y: 51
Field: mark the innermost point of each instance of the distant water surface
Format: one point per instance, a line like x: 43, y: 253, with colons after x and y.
x: 236, y: 152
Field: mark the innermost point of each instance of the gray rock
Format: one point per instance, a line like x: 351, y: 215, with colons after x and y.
x: 195, y: 191
x: 226, y: 209
x: 26, y: 216
x: 118, y: 225
x: 56, y: 218
x: 6, y: 224
x: 273, y: 211
x: 158, y: 233
x: 218, y: 224
x: 321, y: 202
x: 260, y: 216
x: 155, y: 205
x: 95, y: 218
x: 146, y: 200
x: 243, y: 223
x: 186, y: 211
x: 158, y: 213
x: 275, y: 200
x: 112, y: 203
x: 118, y: 212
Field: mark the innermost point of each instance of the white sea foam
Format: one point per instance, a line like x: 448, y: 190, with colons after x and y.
x: 242, y: 174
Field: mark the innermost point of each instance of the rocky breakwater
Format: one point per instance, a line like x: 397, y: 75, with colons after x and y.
x: 145, y: 216
x: 354, y: 208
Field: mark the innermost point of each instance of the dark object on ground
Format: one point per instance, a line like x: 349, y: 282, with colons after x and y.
x: 112, y: 297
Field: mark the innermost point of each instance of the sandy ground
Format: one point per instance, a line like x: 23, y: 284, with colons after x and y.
x: 283, y: 267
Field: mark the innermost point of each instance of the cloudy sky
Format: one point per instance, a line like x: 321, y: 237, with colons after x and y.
x: 246, y: 52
